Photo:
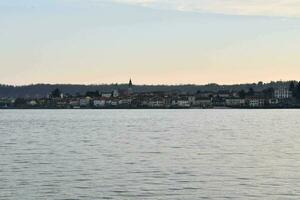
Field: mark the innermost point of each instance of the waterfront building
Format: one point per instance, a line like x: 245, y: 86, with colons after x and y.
x: 282, y: 93
x: 192, y: 100
x: 114, y: 102
x: 256, y: 103
x: 235, y: 102
x: 74, y: 103
x: 156, y: 103
x: 84, y: 102
x: 99, y: 103
x: 182, y: 103
x: 124, y: 101
x: 203, y: 102
x: 32, y: 103
x: 273, y: 101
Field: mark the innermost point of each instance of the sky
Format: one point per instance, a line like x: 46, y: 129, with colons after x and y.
x: 150, y: 41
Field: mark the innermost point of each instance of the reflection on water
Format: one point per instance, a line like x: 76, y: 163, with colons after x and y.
x: 149, y: 154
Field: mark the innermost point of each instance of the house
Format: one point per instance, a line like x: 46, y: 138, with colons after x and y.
x: 32, y: 103
x: 106, y: 95
x: 256, y: 103
x: 235, y: 102
x: 74, y: 103
x: 156, y: 103
x: 273, y: 101
x: 124, y: 101
x: 84, y: 102
x: 115, y: 93
x: 182, y: 103
x: 192, y: 100
x: 203, y: 102
x: 114, y: 102
x: 99, y: 103
x: 282, y: 93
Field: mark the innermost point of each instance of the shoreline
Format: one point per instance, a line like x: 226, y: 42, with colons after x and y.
x: 214, y: 108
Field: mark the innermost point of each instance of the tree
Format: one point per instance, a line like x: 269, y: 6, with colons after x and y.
x: 260, y: 83
x: 92, y: 94
x: 297, y: 92
x: 19, y: 102
x: 292, y: 88
x: 268, y: 93
x: 250, y: 92
x: 242, y: 94
x: 56, y: 93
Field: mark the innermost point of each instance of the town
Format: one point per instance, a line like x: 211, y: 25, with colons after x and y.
x: 281, y: 97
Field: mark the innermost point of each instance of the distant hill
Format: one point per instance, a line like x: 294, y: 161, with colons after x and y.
x: 42, y: 90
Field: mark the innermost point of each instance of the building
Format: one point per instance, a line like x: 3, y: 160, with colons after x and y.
x: 106, y: 95
x: 99, y: 103
x: 115, y: 93
x: 192, y: 100
x: 273, y: 101
x: 203, y: 102
x: 32, y: 103
x: 74, y: 103
x: 130, y: 87
x: 235, y: 102
x: 124, y: 101
x: 156, y: 102
x: 84, y: 102
x: 181, y: 103
x: 256, y: 103
x: 282, y: 93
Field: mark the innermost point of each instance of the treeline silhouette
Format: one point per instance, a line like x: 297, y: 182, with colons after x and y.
x: 43, y: 90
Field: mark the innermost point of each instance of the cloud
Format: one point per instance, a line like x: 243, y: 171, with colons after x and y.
x: 284, y: 8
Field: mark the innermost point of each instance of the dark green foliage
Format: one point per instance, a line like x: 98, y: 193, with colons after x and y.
x: 20, y: 102
x: 242, y: 94
x: 297, y: 92
x: 292, y: 88
x: 56, y: 93
x: 92, y: 94
x: 268, y: 93
x: 250, y: 92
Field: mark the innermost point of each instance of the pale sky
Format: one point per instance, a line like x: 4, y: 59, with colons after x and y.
x: 151, y: 41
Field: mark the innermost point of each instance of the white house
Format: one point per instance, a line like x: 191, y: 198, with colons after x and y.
x: 114, y: 102
x: 156, y: 103
x: 115, y: 93
x: 255, y: 103
x: 99, y: 103
x: 32, y: 103
x: 125, y: 101
x: 282, y: 93
x: 273, y: 101
x: 84, y: 102
x: 181, y: 103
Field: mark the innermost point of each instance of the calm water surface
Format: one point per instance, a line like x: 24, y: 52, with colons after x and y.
x: 149, y: 154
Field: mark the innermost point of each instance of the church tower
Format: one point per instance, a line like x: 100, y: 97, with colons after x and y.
x: 130, y: 85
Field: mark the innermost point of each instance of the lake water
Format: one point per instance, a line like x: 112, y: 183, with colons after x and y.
x: 149, y: 154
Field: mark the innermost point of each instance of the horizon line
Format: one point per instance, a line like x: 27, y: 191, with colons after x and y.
x: 151, y: 84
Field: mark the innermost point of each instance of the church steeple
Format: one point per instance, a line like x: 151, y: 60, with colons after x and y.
x: 130, y: 90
